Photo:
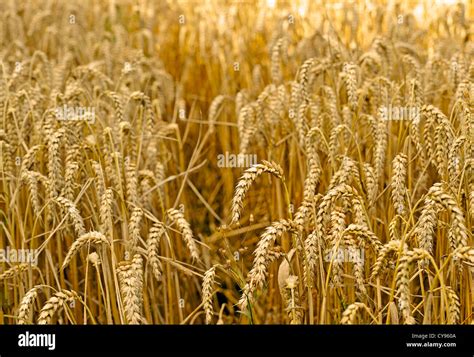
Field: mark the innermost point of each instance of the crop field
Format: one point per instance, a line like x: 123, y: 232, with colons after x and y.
x: 236, y: 162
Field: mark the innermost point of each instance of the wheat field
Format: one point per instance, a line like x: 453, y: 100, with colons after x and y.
x: 236, y: 162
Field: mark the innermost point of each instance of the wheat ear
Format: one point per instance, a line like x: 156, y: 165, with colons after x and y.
x: 207, y: 286
x: 87, y: 238
x: 14, y: 271
x: 399, y: 183
x: 26, y: 303
x: 153, y: 244
x: 57, y: 301
x: 129, y: 285
x: 249, y: 176
x: 454, y: 306
x: 350, y: 314
x: 74, y: 215
x: 186, y: 231
x: 134, y: 227
x: 257, y: 275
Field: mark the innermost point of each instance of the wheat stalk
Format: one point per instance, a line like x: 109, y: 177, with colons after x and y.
x: 293, y: 308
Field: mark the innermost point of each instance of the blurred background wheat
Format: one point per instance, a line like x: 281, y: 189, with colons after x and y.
x: 127, y: 196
